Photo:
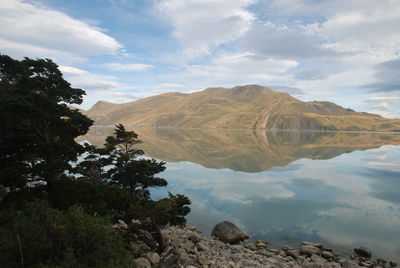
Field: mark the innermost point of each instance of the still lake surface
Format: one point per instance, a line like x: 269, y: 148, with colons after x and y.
x: 338, y: 189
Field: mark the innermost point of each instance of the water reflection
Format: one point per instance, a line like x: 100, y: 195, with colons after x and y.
x: 245, y: 150
x: 285, y: 187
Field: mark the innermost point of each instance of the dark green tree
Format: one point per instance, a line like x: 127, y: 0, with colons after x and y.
x: 135, y: 175
x: 37, y: 127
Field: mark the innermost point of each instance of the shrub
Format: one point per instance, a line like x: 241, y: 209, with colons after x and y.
x: 40, y: 236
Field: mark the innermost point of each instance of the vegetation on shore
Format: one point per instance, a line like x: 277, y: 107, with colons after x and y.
x: 57, y: 213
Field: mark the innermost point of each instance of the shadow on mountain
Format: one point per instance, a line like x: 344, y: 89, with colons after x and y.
x: 245, y: 150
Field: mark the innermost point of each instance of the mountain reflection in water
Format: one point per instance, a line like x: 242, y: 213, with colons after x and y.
x: 338, y: 189
x: 245, y: 150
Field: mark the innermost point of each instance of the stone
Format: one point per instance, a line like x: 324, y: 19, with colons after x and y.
x: 317, y: 259
x: 202, y: 259
x: 153, y: 257
x: 139, y: 248
x: 293, y: 253
x: 380, y: 260
x: 136, y: 222
x: 392, y: 264
x: 309, y: 250
x: 332, y: 265
x: 349, y: 264
x: 142, y: 263
x: 312, y: 244
x: 195, y: 238
x: 286, y: 247
x: 202, y: 246
x: 122, y: 224
x: 363, y: 252
x: 327, y: 255
x: 228, y: 232
x: 311, y: 265
x: 261, y: 245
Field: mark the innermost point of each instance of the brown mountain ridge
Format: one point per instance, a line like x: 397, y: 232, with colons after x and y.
x: 246, y: 107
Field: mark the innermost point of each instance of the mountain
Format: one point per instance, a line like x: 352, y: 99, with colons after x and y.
x: 249, y: 107
x: 248, y: 150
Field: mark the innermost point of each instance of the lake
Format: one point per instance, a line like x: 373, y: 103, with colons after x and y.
x: 339, y: 189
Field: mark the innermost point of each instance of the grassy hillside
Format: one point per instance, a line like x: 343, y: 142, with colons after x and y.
x: 250, y: 107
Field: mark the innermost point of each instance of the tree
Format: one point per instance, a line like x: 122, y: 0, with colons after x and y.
x: 135, y: 175
x: 37, y: 127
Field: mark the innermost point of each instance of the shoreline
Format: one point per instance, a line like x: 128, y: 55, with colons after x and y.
x: 186, y: 247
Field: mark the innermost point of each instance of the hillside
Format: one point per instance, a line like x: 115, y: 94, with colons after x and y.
x: 250, y: 107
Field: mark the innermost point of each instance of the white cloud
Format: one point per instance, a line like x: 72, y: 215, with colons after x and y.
x: 202, y: 25
x: 72, y: 70
x: 130, y: 67
x: 33, y: 30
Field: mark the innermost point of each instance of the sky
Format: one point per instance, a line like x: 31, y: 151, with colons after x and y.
x: 343, y: 51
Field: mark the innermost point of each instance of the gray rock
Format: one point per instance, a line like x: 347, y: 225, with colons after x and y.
x: 228, y: 232
x: 292, y: 253
x: 363, y: 251
x: 312, y: 244
x: 327, y: 255
x: 202, y: 259
x: 317, y: 259
x: 286, y: 247
x: 349, y: 264
x: 153, y: 257
x: 142, y: 263
x: 392, y: 264
x: 195, y: 238
x: 332, y: 265
x: 309, y: 250
x: 311, y: 265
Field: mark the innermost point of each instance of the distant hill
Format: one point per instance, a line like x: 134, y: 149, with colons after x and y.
x: 249, y: 107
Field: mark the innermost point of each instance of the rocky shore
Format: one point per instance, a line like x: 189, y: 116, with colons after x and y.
x: 185, y: 247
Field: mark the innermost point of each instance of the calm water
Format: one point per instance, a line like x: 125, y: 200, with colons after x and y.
x: 339, y: 189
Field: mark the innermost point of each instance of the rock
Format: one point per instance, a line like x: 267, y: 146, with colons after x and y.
x: 142, y: 263
x: 292, y: 253
x: 311, y: 265
x: 317, y: 259
x: 202, y: 247
x: 363, y: 251
x: 286, y: 247
x: 194, y: 237
x: 202, y: 259
x: 380, y: 260
x: 392, y: 264
x: 228, y: 232
x: 136, y: 222
x: 332, y: 265
x: 349, y: 264
x: 139, y: 248
x: 312, y: 244
x: 122, y: 224
x: 309, y: 250
x: 261, y: 245
x: 327, y: 255
x: 153, y: 257
x: 251, y: 246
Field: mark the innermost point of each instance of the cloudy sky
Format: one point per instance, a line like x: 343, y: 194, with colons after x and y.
x: 344, y: 51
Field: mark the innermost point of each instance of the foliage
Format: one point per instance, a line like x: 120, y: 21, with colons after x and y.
x: 135, y: 175
x: 97, y: 198
x: 42, y: 236
x: 44, y: 219
x: 37, y: 127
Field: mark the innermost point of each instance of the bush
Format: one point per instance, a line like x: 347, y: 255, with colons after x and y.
x: 94, y: 196
x: 40, y: 236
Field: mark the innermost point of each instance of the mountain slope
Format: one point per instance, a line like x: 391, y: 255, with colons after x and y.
x: 248, y: 106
